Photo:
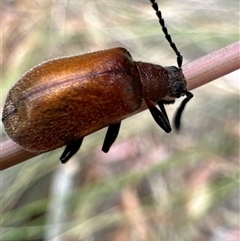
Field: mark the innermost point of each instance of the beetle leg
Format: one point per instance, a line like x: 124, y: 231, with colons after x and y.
x: 160, y: 118
x: 162, y: 108
x: 111, y: 136
x: 70, y: 150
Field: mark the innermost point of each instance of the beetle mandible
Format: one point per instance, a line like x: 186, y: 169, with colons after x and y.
x: 61, y: 101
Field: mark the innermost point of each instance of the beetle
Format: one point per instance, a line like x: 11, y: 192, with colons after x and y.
x: 61, y: 101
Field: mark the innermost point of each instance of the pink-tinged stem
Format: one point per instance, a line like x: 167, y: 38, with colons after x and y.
x: 197, y: 73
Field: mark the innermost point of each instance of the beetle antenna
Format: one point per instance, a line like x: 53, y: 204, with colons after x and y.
x: 167, y: 36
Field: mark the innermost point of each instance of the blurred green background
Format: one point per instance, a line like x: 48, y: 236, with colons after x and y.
x: 151, y: 185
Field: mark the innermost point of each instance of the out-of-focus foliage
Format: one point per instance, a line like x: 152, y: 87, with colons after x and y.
x: 151, y: 185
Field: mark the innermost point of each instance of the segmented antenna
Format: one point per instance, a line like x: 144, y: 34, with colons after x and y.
x: 167, y: 36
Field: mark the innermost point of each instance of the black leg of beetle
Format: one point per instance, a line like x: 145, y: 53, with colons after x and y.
x: 177, y: 119
x: 159, y: 117
x: 70, y: 150
x: 111, y: 136
x: 162, y: 108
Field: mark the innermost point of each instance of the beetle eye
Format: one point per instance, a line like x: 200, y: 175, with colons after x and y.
x: 174, y: 69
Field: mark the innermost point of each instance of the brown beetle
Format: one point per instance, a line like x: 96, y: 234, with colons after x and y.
x: 61, y: 101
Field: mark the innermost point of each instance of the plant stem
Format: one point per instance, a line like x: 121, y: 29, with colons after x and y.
x: 197, y: 73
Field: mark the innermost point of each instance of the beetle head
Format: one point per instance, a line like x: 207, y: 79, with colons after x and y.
x: 177, y: 82
x: 178, y: 88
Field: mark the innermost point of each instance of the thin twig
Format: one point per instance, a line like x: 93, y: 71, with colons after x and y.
x: 212, y: 66
x: 198, y: 73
